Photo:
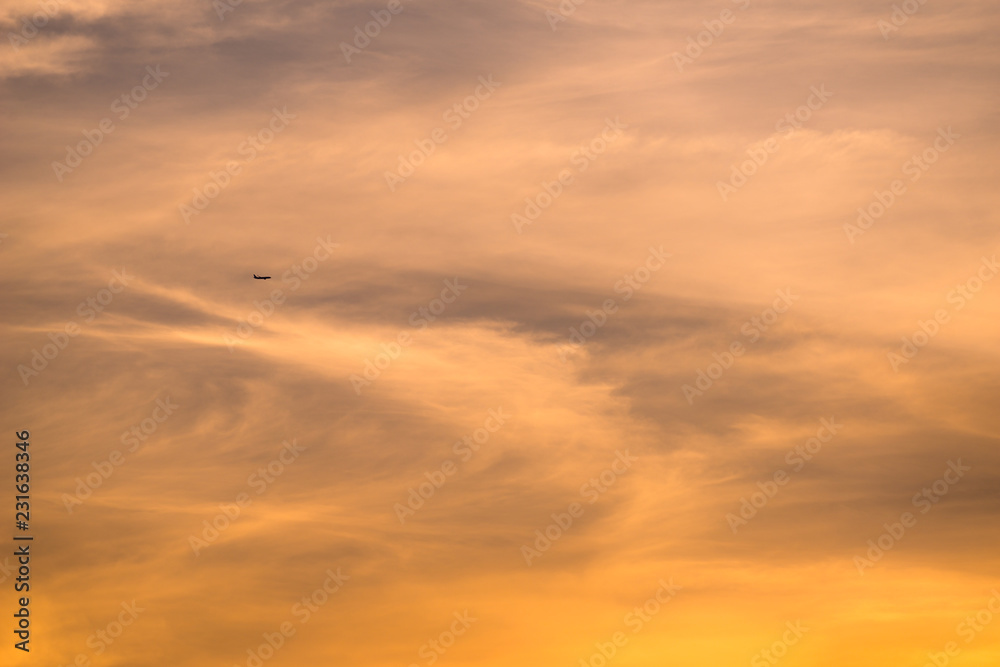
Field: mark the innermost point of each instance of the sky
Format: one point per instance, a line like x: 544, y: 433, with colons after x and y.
x: 598, y: 333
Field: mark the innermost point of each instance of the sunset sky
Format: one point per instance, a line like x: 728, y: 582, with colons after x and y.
x: 611, y: 333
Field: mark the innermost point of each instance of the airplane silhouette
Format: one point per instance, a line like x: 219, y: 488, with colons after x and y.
x: 261, y: 277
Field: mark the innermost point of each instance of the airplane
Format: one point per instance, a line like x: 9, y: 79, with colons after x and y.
x: 261, y: 277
